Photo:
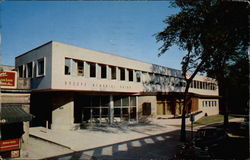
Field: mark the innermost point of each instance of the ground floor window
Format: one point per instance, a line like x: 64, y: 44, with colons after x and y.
x: 97, y: 109
x: 169, y: 106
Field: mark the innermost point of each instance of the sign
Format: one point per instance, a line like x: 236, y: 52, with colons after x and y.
x: 192, y: 118
x: 10, y: 144
x: 8, y: 79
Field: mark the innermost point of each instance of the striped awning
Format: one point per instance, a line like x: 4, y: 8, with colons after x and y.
x: 14, y: 114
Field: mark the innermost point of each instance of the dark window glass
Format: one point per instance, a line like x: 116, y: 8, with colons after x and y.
x: 125, y: 101
x: 30, y: 69
x: 105, y: 101
x: 20, y: 71
x: 113, y: 72
x: 103, y: 71
x: 40, y: 67
x: 80, y: 68
x: 130, y: 75
x: 122, y: 74
x: 117, y: 101
x: 92, y: 67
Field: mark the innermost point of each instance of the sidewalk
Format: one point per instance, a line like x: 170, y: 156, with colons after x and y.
x: 66, y: 141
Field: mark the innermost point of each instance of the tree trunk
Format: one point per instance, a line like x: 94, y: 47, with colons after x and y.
x: 223, y: 92
x: 183, y: 115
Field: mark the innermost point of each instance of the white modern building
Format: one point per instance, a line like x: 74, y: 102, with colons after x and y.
x: 72, y: 85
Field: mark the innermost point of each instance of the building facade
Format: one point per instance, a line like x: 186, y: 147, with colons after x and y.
x: 14, y: 116
x: 72, y: 85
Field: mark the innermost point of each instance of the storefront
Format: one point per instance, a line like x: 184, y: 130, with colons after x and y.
x: 12, y: 118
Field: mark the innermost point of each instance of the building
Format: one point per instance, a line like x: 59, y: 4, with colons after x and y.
x: 14, y: 117
x: 72, y: 85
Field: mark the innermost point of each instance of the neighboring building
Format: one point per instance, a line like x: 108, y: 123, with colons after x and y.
x: 14, y: 117
x: 71, y: 85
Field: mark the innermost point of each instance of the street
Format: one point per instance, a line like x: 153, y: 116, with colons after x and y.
x: 160, y: 146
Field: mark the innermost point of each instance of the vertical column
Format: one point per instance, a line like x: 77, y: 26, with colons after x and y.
x: 129, y: 108
x: 86, y: 69
x: 100, y: 110
x: 111, y: 109
x: 109, y: 76
x: 118, y: 73
x: 126, y: 75
x: 137, y: 109
x: 98, y: 71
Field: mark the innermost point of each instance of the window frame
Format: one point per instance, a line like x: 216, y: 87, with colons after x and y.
x: 44, y: 67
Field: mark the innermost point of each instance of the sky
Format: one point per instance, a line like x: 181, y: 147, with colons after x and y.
x: 124, y: 28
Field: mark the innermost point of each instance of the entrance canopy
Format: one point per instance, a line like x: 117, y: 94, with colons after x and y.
x: 14, y: 114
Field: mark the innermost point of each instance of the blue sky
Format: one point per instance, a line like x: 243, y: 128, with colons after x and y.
x: 123, y: 28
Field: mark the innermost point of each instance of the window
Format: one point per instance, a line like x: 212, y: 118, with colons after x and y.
x: 20, y: 71
x: 67, y: 67
x: 194, y: 84
x: 122, y: 74
x: 103, y: 71
x: 146, y: 109
x: 80, y: 68
x: 113, y: 72
x: 130, y: 75
x: 25, y: 71
x: 201, y: 83
x: 30, y: 69
x: 132, y: 101
x: 40, y: 67
x: 191, y: 84
x: 138, y: 76
x: 92, y: 68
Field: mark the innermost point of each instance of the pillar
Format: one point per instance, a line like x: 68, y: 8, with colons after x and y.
x: 111, y: 110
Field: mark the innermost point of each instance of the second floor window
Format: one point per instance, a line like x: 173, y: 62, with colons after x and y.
x: 80, y: 68
x: 122, y: 74
x: 67, y: 66
x: 92, y: 69
x: 40, y: 67
x: 103, y: 71
x: 30, y: 69
x: 20, y: 71
x: 113, y: 72
x: 130, y: 75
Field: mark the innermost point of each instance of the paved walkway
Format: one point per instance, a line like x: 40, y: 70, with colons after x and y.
x: 66, y: 141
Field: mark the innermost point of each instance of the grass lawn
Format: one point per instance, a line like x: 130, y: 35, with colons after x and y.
x: 209, y: 120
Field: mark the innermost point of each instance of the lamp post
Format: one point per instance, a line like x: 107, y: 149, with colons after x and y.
x: 192, y: 119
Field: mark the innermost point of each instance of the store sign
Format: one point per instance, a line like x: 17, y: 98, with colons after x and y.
x: 8, y: 79
x: 10, y: 144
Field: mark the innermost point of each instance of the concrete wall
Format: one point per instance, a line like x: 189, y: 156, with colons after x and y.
x: 74, y: 82
x: 213, y: 109
x: 62, y: 111
x: 147, y: 99
x: 38, y: 82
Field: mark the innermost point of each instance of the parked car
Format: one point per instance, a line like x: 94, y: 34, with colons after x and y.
x: 210, y: 137
x: 189, y: 151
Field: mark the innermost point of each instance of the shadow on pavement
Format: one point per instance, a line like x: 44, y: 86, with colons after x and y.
x: 161, y: 146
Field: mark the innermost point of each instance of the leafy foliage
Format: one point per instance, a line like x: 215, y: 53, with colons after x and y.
x: 214, y: 33
x: 209, y: 30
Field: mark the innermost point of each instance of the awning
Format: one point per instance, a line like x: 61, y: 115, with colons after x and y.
x: 13, y: 114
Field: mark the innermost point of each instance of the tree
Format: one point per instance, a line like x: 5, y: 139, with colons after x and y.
x: 212, y: 32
